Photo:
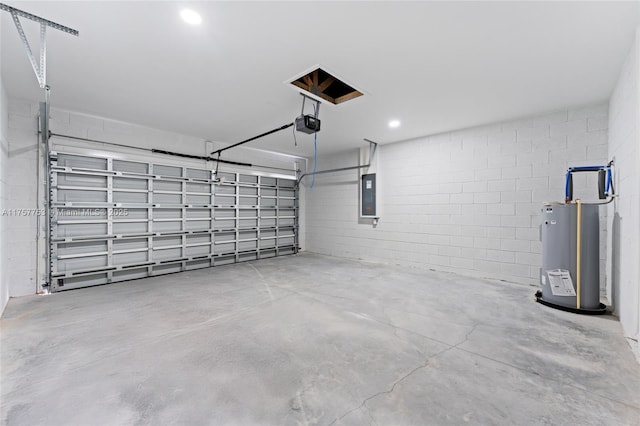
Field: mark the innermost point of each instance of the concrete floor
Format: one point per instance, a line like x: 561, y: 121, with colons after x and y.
x: 308, y: 339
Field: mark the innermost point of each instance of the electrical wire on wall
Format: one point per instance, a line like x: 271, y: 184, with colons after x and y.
x: 295, y: 140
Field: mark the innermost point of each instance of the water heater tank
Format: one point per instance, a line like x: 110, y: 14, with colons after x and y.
x: 559, y: 273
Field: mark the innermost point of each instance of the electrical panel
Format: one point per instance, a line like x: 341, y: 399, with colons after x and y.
x: 368, y: 195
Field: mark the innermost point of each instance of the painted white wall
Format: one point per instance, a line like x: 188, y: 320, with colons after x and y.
x: 4, y: 150
x: 624, y: 213
x: 27, y: 254
x: 21, y: 187
x: 467, y: 201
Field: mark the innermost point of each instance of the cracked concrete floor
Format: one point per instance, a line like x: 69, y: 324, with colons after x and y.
x: 309, y: 339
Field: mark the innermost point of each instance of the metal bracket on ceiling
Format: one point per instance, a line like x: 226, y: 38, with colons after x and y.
x: 316, y: 110
x: 39, y: 69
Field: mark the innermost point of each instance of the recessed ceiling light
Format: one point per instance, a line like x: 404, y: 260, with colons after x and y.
x: 191, y: 17
x: 394, y: 123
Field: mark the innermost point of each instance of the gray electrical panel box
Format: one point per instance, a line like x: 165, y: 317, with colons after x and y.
x: 368, y: 195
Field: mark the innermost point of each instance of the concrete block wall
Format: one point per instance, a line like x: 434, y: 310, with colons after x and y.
x: 4, y: 151
x: 21, y: 187
x: 25, y: 191
x: 624, y: 213
x: 466, y: 201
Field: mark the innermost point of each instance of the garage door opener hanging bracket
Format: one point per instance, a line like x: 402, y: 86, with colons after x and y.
x: 39, y: 69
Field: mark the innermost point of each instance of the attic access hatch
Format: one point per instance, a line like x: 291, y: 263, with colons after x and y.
x: 321, y: 84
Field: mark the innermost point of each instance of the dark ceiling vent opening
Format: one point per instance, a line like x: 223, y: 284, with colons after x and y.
x: 326, y: 86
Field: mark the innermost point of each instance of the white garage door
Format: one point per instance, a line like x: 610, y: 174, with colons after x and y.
x: 115, y: 220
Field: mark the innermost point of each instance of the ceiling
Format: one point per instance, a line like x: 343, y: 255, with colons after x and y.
x: 435, y: 66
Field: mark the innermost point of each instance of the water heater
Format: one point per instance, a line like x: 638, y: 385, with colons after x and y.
x: 570, y: 273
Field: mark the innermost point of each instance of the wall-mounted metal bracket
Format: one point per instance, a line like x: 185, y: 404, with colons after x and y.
x: 39, y: 69
x: 372, y: 149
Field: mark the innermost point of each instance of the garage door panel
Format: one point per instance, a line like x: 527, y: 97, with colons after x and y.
x: 248, y: 201
x: 82, y: 180
x: 82, y: 196
x: 199, y: 200
x: 199, y: 187
x: 129, y: 258
x: 167, y: 185
x: 129, y: 213
x: 221, y: 213
x: 159, y: 213
x: 248, y: 223
x: 195, y: 251
x: 268, y: 243
x: 245, y: 257
x: 166, y: 269
x: 130, y: 167
x: 159, y: 242
x: 164, y: 198
x: 264, y: 254
x: 247, y: 179
x: 224, y: 189
x: 286, y: 222
x: 198, y: 225
x: 82, y: 162
x: 286, y: 203
x: 286, y: 241
x: 69, y: 283
x: 116, y: 219
x: 130, y: 244
x: 82, y: 263
x: 196, y: 213
x: 225, y: 200
x: 198, y: 264
x: 167, y: 253
x: 79, y: 214
x: 267, y: 223
x: 222, y: 224
x: 224, y: 248
x: 202, y: 174
x: 130, y: 274
x: 199, y: 238
x: 130, y: 183
x: 81, y: 247
x: 130, y: 197
x: 79, y: 230
x: 127, y: 228
x: 221, y: 237
x: 170, y: 171
x: 167, y: 226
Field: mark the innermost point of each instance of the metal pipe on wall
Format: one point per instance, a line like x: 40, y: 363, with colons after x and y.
x: 372, y: 145
x: 44, y: 129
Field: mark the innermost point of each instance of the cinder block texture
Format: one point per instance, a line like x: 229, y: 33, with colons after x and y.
x: 623, y: 221
x: 4, y: 175
x: 488, y: 184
